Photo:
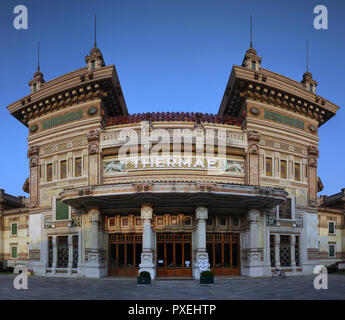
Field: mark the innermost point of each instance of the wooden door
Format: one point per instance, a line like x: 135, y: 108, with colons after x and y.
x: 124, y: 254
x: 224, y: 253
x: 174, y: 254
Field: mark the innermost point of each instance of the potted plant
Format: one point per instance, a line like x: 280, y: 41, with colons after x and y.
x: 144, y: 278
x: 206, y: 277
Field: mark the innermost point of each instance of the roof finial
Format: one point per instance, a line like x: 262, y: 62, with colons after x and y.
x: 251, y: 32
x: 95, y: 33
x: 38, y: 56
x: 307, y: 57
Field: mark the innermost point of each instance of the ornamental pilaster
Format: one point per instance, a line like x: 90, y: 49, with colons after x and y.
x: 253, y: 156
x: 33, y: 154
x: 313, y: 154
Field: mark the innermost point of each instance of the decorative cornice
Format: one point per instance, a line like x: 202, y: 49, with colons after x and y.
x: 274, y: 89
x: 173, y: 116
x: 75, y: 87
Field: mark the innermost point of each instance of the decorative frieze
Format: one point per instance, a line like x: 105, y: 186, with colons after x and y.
x: 63, y: 147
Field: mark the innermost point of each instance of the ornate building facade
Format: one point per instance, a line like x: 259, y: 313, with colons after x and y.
x: 112, y: 193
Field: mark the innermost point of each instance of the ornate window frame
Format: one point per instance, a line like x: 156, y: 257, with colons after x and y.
x: 54, y: 199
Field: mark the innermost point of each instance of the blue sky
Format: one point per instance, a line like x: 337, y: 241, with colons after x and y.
x: 171, y: 56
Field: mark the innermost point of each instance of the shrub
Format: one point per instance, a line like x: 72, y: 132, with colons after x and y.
x: 145, y: 274
x: 206, y: 274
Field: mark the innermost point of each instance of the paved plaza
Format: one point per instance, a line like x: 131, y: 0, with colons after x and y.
x: 298, y: 287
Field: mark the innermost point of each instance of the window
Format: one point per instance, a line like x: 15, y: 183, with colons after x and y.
x: 61, y: 210
x: 285, y: 209
x: 124, y: 222
x: 77, y: 167
x: 174, y: 221
x: 14, y: 252
x: 331, y: 227
x: 34, y: 87
x: 14, y: 228
x: 283, y: 169
x: 93, y: 65
x: 235, y: 222
x: 297, y: 172
x: 63, y: 169
x: 187, y: 221
x: 331, y: 250
x: 269, y: 167
x: 222, y: 221
x: 253, y: 65
x: 311, y: 87
x: 49, y: 172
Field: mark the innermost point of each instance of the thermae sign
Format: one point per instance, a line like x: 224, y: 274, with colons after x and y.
x: 216, y: 166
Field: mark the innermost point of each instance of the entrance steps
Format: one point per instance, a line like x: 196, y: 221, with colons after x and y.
x: 173, y: 278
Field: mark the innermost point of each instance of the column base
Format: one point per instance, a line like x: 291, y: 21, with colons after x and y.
x: 254, y: 266
x: 147, y: 264
x: 37, y: 267
x: 93, y: 268
x: 201, y: 264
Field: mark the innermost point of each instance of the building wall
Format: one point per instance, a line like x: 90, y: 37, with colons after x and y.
x: 325, y: 239
x: 20, y: 240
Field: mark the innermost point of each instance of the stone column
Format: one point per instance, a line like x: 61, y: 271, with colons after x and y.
x: 201, y: 258
x: 70, y: 254
x: 292, y: 252
x: 147, y: 255
x: 94, y: 267
x: 54, y: 254
x: 277, y: 250
x: 255, y: 259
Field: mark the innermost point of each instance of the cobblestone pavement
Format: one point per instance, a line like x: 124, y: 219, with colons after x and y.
x: 298, y: 287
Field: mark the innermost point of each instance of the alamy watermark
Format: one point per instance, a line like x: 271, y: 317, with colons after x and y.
x: 321, y: 280
x: 321, y: 20
x: 21, y: 20
x: 21, y: 280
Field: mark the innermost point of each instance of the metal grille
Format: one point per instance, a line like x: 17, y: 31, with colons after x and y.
x: 297, y: 252
x: 50, y: 252
x: 62, y: 252
x: 75, y: 252
x: 272, y: 251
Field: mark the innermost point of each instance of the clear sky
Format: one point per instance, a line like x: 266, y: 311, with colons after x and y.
x: 171, y: 55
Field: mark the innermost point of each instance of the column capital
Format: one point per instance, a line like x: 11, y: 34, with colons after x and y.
x: 146, y: 212
x: 253, y: 215
x: 201, y: 213
x: 94, y: 215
